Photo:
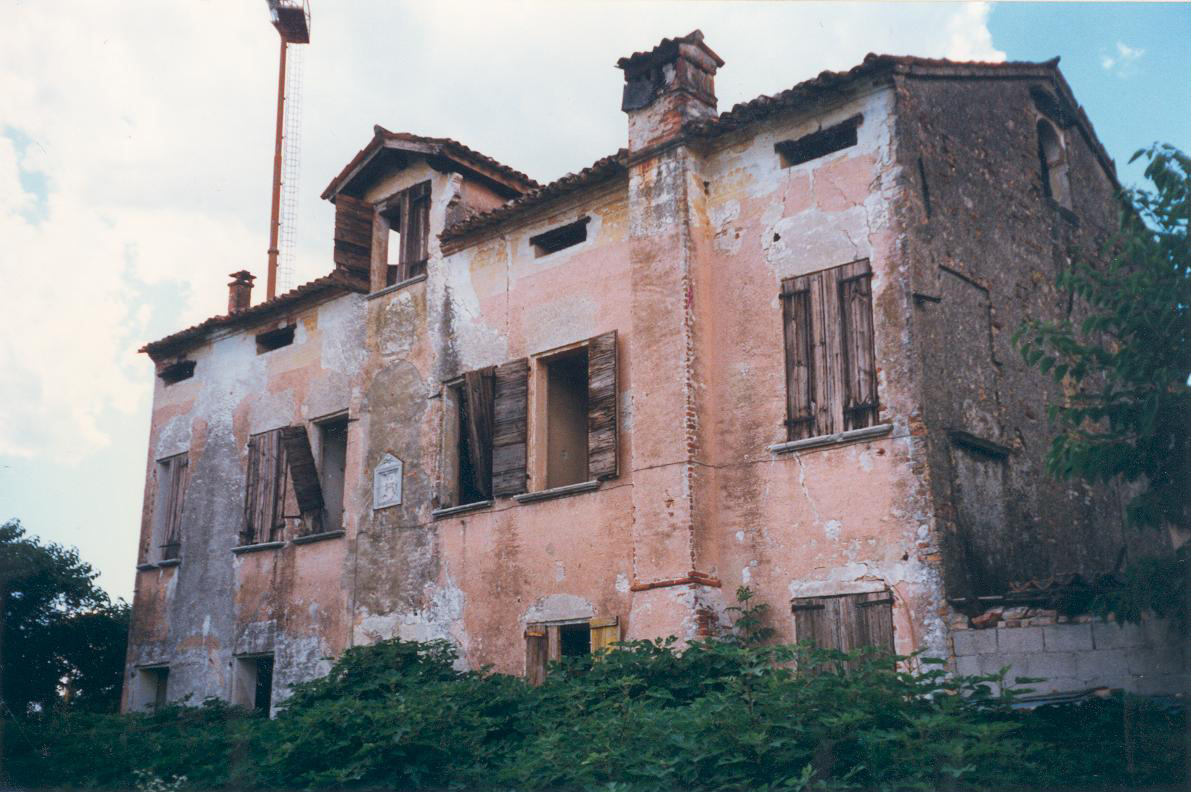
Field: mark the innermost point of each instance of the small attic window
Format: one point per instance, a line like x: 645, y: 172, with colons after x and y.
x: 818, y: 144
x: 177, y: 371
x: 556, y: 239
x: 275, y: 339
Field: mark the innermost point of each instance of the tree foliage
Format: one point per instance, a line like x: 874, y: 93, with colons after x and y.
x: 1126, y: 414
x: 63, y: 639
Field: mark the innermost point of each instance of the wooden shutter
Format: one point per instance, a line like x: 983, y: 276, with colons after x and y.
x: 800, y: 369
x: 353, y: 234
x: 415, y: 229
x: 302, y: 470
x: 601, y: 407
x: 537, y: 654
x: 845, y: 622
x: 478, y: 391
x: 604, y: 632
x: 510, y: 428
x: 264, y: 501
x: 859, y: 370
x: 178, y: 475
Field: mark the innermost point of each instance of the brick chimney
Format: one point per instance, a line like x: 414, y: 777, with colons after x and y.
x: 671, y: 84
x: 239, y: 291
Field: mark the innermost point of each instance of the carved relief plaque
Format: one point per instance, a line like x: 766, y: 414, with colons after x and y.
x: 386, y: 482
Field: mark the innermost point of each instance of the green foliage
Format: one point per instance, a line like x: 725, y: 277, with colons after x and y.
x: 1125, y: 366
x: 751, y: 619
x: 61, y: 632
x: 718, y: 715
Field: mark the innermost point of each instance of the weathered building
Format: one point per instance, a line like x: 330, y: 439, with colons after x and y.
x: 767, y: 348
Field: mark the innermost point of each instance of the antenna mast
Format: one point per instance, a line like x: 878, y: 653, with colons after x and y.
x: 291, y: 18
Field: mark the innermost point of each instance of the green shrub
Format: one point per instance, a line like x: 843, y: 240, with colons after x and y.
x: 718, y: 715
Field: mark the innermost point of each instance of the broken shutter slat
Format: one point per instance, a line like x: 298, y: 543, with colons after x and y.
x: 510, y: 428
x: 302, y: 470
x: 601, y: 407
x: 353, y: 234
x: 536, y: 654
x: 248, y: 530
x: 604, y: 633
x: 858, y: 368
x: 479, y: 388
x: 416, y: 230
x: 800, y: 404
x: 276, y: 516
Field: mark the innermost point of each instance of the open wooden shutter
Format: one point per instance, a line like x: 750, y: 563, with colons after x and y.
x: 302, y: 470
x: 537, y: 654
x: 415, y: 229
x: 601, y: 407
x: 509, y: 432
x: 859, y: 370
x: 800, y: 369
x: 353, y: 234
x: 479, y: 389
x: 178, y: 476
x: 264, y: 501
x: 604, y: 632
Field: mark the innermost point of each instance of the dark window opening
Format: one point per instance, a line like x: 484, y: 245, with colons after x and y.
x: 1052, y: 161
x: 925, y: 187
x: 253, y: 683
x: 275, y: 339
x: 471, y: 450
x: 566, y: 419
x: 331, y: 471
x: 818, y: 144
x: 408, y: 230
x: 155, y: 687
x: 574, y: 640
x: 558, y: 238
x: 177, y: 371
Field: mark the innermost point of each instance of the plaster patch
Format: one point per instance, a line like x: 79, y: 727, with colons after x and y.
x: 832, y: 530
x: 559, y: 607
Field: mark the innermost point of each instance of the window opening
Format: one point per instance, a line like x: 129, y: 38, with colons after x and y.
x: 407, y: 221
x: 566, y: 418
x: 574, y: 640
x: 559, y: 238
x: 275, y: 339
x: 845, y: 622
x: 393, y: 248
x: 333, y: 453
x: 1052, y: 161
x: 177, y: 371
x: 547, y: 643
x: 818, y: 144
x: 154, y: 687
x: 253, y: 682
x: 473, y: 405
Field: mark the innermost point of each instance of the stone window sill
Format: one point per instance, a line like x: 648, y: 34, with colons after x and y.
x: 839, y: 438
x: 397, y: 286
x: 451, y: 511
x: 149, y: 565
x: 169, y: 562
x: 557, y: 492
x: 252, y: 548
x: 318, y: 537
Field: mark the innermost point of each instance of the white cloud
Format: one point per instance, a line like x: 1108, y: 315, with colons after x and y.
x: 1122, y: 63
x: 150, y: 125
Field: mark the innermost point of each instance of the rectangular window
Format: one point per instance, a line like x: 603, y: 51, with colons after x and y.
x: 152, y: 688
x: 818, y: 144
x: 547, y: 643
x: 266, y: 489
x: 406, y: 219
x: 565, y: 378
x: 333, y: 453
x: 845, y: 622
x: 253, y: 683
x: 173, y: 474
x: 467, y: 439
x: 831, y: 376
x: 559, y: 238
x: 177, y: 371
x: 275, y: 339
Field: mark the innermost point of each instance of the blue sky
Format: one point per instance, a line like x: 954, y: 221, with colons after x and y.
x: 135, y: 151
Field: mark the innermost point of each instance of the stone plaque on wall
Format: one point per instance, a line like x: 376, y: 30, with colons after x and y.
x: 386, y: 482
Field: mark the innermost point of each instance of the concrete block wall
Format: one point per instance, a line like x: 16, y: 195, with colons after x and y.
x: 1074, y: 655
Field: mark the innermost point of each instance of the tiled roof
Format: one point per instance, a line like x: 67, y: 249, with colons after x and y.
x: 382, y: 138
x: 337, y: 281
x: 599, y: 171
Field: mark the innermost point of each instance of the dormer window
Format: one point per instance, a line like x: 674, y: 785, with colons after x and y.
x: 557, y: 239
x: 405, y: 220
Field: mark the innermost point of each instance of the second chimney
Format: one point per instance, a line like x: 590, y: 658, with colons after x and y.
x: 666, y: 87
x: 239, y: 291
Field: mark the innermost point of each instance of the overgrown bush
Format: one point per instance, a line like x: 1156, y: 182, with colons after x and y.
x: 718, y: 715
